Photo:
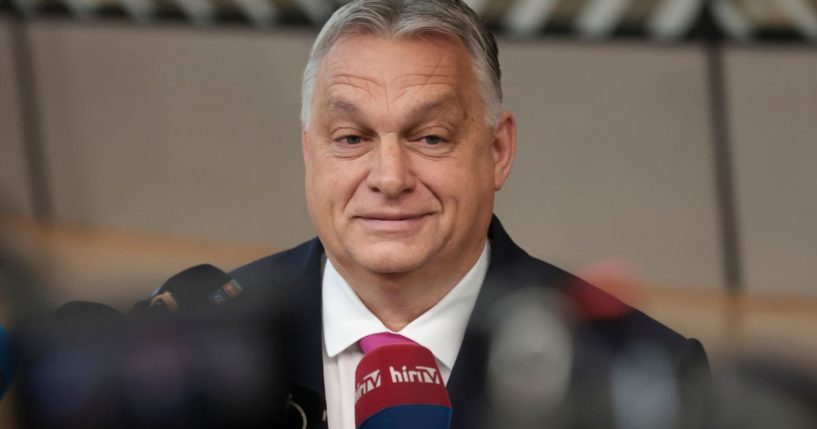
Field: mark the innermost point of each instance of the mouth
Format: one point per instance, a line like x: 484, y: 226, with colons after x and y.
x: 393, y: 222
x: 391, y: 217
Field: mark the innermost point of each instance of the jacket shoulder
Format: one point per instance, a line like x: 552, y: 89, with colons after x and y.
x: 609, y: 328
x: 611, y: 323
x: 282, y: 269
x: 618, y: 327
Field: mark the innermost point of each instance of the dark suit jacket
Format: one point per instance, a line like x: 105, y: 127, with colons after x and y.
x: 294, y: 278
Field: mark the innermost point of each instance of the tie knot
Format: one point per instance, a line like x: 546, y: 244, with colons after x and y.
x: 371, y: 342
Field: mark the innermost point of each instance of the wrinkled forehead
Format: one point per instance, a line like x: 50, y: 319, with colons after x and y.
x: 375, y: 63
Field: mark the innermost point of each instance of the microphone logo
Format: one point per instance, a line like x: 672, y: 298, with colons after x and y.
x: 396, y: 382
x: 420, y: 374
x: 228, y: 292
x: 370, y: 382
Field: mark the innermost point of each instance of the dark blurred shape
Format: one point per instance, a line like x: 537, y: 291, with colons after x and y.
x: 531, y: 359
x: 69, y: 367
x: 545, y: 370
x: 88, y: 366
x: 761, y: 392
x: 645, y: 390
x: 7, y: 364
x: 193, y: 289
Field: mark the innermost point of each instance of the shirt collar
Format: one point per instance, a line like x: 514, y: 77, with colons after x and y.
x: 440, y: 329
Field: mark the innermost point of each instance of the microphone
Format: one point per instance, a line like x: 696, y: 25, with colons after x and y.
x: 531, y: 359
x: 196, y: 287
x: 6, y: 362
x: 87, y: 313
x: 69, y: 365
x: 400, y: 387
x: 87, y: 365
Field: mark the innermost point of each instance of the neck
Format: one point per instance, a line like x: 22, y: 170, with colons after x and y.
x: 396, y: 299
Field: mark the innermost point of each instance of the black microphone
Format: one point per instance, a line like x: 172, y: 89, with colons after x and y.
x: 194, y: 288
x: 86, y: 365
x: 68, y: 367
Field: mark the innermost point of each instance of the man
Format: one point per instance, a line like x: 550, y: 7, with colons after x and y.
x: 405, y: 144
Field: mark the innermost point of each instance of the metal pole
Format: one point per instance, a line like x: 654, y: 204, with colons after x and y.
x: 723, y: 158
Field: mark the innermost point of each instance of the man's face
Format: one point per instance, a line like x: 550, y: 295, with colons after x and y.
x: 401, y: 166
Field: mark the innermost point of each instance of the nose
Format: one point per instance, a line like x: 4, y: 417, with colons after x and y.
x: 390, y: 173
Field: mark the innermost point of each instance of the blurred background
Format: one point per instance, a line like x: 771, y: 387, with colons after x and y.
x: 667, y: 149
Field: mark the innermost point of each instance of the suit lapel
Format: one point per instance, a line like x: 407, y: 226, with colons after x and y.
x: 305, y: 307
x: 305, y: 348
x: 467, y: 384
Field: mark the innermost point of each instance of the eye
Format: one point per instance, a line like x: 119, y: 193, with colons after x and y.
x: 351, y: 140
x: 433, y: 145
x: 432, y: 140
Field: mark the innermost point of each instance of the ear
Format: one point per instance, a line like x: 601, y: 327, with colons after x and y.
x: 504, y: 148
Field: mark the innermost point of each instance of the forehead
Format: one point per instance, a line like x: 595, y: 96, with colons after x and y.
x: 377, y: 65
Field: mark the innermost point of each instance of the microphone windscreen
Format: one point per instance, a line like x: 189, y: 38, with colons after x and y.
x: 6, y: 362
x: 68, y: 366
x: 400, y: 387
x: 87, y: 311
x: 93, y: 320
x: 196, y: 287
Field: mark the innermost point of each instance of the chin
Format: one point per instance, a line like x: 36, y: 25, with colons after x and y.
x: 389, y: 261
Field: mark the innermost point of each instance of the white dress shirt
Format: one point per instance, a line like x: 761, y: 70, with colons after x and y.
x: 346, y: 320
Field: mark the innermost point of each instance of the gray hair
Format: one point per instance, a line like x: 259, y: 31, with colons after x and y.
x: 404, y: 18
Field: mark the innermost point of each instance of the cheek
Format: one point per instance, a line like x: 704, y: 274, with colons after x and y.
x: 462, y: 178
x: 318, y: 183
x: 335, y: 183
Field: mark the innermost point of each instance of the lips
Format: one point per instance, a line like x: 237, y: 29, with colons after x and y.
x: 392, y: 222
x: 391, y: 216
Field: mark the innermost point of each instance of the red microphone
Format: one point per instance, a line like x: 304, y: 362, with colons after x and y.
x: 400, y: 387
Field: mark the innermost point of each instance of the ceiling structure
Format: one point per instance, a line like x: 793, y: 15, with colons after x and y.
x: 662, y: 20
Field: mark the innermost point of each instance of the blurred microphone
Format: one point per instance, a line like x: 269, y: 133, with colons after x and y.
x: 531, y: 359
x: 400, y: 387
x: 6, y: 362
x: 86, y: 312
x: 88, y: 366
x: 194, y: 288
x: 68, y: 368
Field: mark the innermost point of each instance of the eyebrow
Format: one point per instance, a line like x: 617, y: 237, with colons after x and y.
x: 346, y: 106
x: 442, y: 102
x: 446, y: 102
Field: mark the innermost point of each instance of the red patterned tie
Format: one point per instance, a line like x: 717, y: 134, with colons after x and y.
x: 371, y: 342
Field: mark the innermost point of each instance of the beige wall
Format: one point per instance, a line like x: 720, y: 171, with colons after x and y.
x: 186, y: 132
x: 14, y: 190
x: 194, y: 133
x: 774, y: 116
x: 614, y: 158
